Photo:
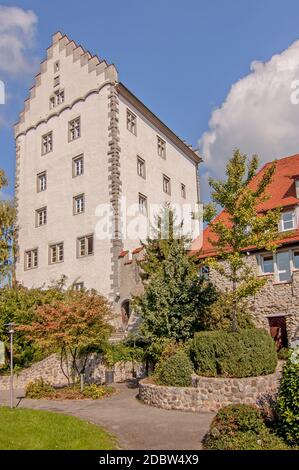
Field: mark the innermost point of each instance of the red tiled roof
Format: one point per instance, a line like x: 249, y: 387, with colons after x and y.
x: 283, y: 194
x: 137, y: 250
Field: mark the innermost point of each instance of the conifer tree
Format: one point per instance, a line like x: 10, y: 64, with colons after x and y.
x: 174, y: 294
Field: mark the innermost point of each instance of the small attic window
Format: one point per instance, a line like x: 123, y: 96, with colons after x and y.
x: 56, y: 66
x: 297, y: 187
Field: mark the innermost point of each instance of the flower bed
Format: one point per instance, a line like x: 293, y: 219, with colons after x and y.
x: 209, y: 393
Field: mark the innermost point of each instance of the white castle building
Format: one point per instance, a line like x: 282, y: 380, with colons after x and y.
x: 83, y: 141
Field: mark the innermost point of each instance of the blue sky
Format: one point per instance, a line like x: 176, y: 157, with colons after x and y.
x: 181, y: 58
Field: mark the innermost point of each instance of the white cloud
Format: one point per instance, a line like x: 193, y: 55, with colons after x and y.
x: 257, y: 116
x: 17, y: 31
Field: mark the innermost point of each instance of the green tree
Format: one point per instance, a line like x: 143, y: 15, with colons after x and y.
x: 7, y: 220
x: 241, y: 226
x: 19, y: 305
x: 75, y: 326
x: 174, y: 296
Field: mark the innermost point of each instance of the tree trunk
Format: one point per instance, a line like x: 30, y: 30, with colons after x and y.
x: 234, y: 308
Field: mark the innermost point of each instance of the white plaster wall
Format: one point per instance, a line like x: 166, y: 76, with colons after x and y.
x: 177, y: 166
x: 75, y: 79
x: 62, y: 225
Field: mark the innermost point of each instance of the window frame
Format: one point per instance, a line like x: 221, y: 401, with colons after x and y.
x: 56, y: 81
x: 282, y: 228
x: 48, y: 143
x: 131, y: 119
x: 57, y: 247
x: 161, y: 147
x: 141, y: 161
x: 75, y: 200
x: 78, y: 118
x: 276, y: 272
x: 85, y: 237
x: 33, y: 251
x: 38, y: 214
x: 142, y: 197
x: 38, y: 181
x: 77, y: 284
x: 74, y: 161
x: 167, y: 188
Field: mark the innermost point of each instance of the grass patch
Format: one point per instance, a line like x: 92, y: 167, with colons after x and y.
x: 24, y: 429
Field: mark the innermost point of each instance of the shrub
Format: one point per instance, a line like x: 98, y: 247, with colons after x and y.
x: 241, y: 427
x: 96, y: 391
x: 218, y: 316
x: 176, y: 371
x: 120, y: 352
x: 284, y: 353
x: 38, y: 389
x: 288, y: 400
x: 246, y: 353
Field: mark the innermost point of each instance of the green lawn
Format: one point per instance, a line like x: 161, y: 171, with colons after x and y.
x: 33, y: 429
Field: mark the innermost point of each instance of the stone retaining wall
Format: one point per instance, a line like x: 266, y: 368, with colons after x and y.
x: 49, y: 369
x: 209, y: 393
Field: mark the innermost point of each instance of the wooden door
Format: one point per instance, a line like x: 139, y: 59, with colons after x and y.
x: 278, y: 331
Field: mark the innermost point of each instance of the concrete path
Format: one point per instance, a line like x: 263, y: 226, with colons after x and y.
x: 136, y: 425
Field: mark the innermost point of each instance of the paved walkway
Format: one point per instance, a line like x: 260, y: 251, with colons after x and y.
x: 136, y: 425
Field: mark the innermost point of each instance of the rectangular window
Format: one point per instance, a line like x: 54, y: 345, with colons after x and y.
x: 267, y: 264
x: 141, y: 167
x: 78, y: 286
x: 56, y: 80
x: 74, y: 129
x: 52, y: 102
x: 31, y: 259
x: 142, y: 201
x: 131, y: 122
x: 183, y: 191
x: 78, y: 204
x: 166, y: 184
x: 47, y: 143
x: 57, y: 98
x: 287, y: 221
x: 78, y: 166
x: 56, y: 253
x: 56, y: 66
x: 42, y: 181
x: 161, y: 146
x: 296, y: 259
x: 41, y: 217
x: 297, y: 187
x: 85, y: 246
x: 283, y: 266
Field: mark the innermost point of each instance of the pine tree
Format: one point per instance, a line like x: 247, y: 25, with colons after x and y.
x: 174, y: 294
x: 242, y: 226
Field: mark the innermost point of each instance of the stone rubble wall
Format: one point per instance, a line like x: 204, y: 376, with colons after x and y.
x: 50, y: 371
x: 210, y: 393
x: 273, y: 299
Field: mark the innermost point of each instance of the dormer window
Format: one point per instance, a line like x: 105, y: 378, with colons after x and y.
x: 297, y: 187
x: 287, y: 221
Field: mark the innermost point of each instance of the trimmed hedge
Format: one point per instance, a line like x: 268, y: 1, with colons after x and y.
x: 246, y: 353
x: 241, y: 427
x: 288, y: 400
x: 175, y: 371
